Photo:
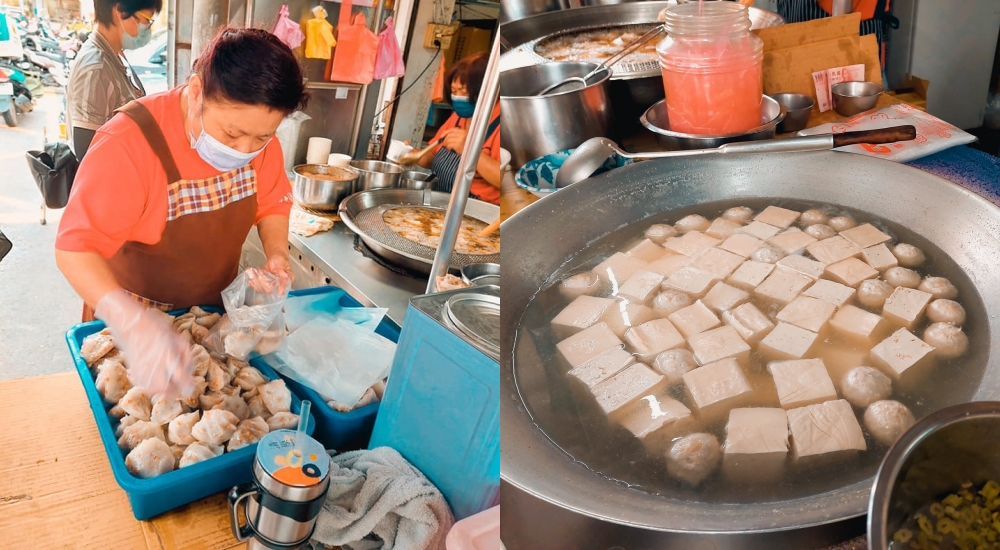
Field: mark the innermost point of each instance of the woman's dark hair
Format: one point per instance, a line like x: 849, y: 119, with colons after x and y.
x: 104, y: 10
x: 469, y: 71
x: 253, y: 67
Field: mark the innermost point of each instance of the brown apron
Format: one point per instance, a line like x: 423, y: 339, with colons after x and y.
x: 199, y: 251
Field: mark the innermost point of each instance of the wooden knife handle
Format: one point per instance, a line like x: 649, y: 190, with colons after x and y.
x: 882, y: 135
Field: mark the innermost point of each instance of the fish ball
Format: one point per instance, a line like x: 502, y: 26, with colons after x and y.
x: 842, y: 223
x: 694, y: 457
x: 946, y: 311
x: 939, y: 287
x: 887, y: 420
x: 820, y: 231
x: 767, y: 254
x: 577, y: 285
x: 694, y: 222
x: 908, y: 255
x: 949, y: 340
x: 863, y: 386
x: 659, y: 232
x: 674, y: 364
x: 900, y: 276
x: 874, y: 292
x: 669, y: 301
x: 813, y: 217
x: 739, y: 214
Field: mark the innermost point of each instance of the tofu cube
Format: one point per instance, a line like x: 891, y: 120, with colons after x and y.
x: 741, y: 244
x: 787, y: 341
x: 626, y: 387
x: 718, y: 344
x: 653, y: 337
x: 865, y: 236
x: 859, y: 325
x: 691, y: 243
x: 722, y: 228
x: 880, y: 257
x: 903, y: 357
x: 618, y: 268
x: 641, y: 287
x: 833, y: 250
x: 694, y: 319
x: 647, y: 251
x: 827, y: 431
x: 802, y: 382
x: 831, y: 292
x: 809, y: 313
x: 657, y: 419
x: 756, y: 445
x: 809, y: 268
x: 777, y: 216
x: 905, y: 306
x: 782, y: 285
x: 851, y: 272
x: 581, y: 313
x: 692, y: 280
x: 588, y: 344
x: 723, y: 297
x: 760, y: 230
x: 601, y: 368
x: 750, y: 274
x: 793, y: 241
x: 749, y: 322
x: 623, y: 315
x: 668, y: 265
x: 717, y: 261
x: 717, y: 388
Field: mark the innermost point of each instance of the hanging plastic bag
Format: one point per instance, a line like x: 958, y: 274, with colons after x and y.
x: 253, y: 301
x: 354, y: 58
x: 289, y: 31
x: 437, y: 95
x: 389, y: 60
x: 319, y: 35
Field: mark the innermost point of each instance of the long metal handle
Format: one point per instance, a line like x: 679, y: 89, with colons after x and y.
x: 790, y: 145
x: 237, y: 495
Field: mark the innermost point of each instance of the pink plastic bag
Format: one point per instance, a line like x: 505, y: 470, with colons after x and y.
x: 389, y: 60
x: 287, y: 30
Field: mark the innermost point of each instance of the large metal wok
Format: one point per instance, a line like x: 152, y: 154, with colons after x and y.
x: 540, y: 241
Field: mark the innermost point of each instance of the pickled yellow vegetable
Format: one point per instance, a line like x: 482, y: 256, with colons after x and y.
x: 968, y: 519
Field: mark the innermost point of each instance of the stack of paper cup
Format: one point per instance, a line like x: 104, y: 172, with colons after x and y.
x: 319, y: 150
x: 339, y: 159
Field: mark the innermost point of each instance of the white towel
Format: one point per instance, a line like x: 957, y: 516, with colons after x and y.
x: 379, y: 501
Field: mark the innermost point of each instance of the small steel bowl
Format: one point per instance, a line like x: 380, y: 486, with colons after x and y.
x: 655, y: 120
x: 481, y: 274
x: 417, y: 177
x: 799, y: 107
x: 851, y: 98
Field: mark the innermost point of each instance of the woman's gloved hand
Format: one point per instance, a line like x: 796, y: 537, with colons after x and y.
x: 159, y: 359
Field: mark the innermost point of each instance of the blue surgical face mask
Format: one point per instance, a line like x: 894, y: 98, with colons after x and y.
x: 462, y: 106
x: 141, y: 38
x: 219, y: 155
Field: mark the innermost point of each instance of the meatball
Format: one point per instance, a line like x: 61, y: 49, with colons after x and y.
x: 694, y: 457
x: 577, y: 285
x: 939, y: 287
x: 874, y: 292
x: 767, y: 254
x: 820, y: 231
x: 908, y: 255
x: 842, y: 223
x: 813, y: 217
x: 674, y: 364
x: 659, y: 232
x: 694, y: 222
x: 887, y: 420
x: 900, y: 276
x: 862, y: 386
x: 739, y: 214
x: 669, y: 301
x: 946, y: 311
x: 949, y: 340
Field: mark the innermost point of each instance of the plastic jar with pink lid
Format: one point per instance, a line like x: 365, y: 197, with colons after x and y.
x: 711, y: 65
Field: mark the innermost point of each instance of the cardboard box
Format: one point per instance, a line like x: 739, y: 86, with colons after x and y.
x: 467, y: 41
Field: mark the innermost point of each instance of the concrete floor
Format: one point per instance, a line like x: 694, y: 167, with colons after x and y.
x: 37, y: 305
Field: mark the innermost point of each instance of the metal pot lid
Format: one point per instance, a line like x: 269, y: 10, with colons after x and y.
x: 477, y: 317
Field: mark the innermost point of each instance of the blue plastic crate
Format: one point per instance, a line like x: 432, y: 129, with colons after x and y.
x: 151, y: 497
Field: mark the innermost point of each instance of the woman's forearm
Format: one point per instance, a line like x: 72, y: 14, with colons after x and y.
x: 273, y: 232
x: 489, y: 169
x: 88, y: 273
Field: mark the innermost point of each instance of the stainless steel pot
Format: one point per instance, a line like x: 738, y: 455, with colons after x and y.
x: 322, y: 194
x: 962, y: 224
x: 534, y: 126
x: 513, y: 10
x: 376, y: 174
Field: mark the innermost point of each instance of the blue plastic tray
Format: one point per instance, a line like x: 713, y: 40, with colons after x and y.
x: 151, y: 497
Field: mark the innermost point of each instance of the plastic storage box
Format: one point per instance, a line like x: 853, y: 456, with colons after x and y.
x: 478, y: 532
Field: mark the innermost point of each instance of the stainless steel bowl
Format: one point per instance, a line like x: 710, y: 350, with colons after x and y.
x: 931, y: 460
x: 655, y: 120
x: 321, y: 193
x: 798, y: 108
x: 481, y: 274
x: 417, y: 177
x: 376, y: 174
x: 851, y: 98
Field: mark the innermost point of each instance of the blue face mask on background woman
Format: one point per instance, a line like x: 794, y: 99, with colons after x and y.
x: 141, y: 38
x: 462, y: 106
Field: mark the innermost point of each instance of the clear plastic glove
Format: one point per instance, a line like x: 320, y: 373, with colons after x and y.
x: 159, y: 359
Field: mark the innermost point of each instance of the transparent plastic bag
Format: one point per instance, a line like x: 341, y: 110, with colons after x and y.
x: 253, y: 302
x: 299, y: 310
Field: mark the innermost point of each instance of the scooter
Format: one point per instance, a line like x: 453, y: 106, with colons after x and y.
x: 7, y: 105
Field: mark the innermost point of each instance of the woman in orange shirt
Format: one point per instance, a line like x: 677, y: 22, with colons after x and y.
x: 168, y: 191
x: 462, y: 84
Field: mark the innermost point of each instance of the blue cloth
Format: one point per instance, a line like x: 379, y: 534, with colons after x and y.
x: 968, y: 167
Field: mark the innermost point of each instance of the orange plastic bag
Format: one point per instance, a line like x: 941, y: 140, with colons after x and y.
x: 438, y: 93
x: 354, y: 56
